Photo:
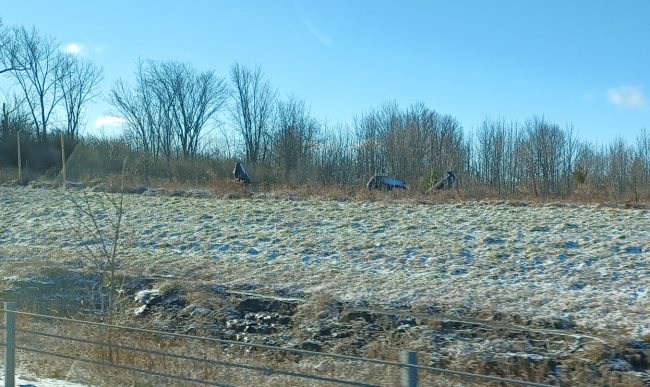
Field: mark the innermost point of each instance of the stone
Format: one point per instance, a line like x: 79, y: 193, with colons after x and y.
x: 312, y: 345
x: 149, y: 296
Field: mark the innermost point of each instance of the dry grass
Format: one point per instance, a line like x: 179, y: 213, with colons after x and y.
x: 207, y: 368
x: 209, y: 351
x: 208, y: 354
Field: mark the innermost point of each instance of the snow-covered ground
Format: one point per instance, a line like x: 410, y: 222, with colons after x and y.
x: 587, y: 264
x: 27, y: 380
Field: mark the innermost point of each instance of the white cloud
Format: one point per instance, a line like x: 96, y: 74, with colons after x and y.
x: 74, y: 48
x: 627, y: 97
x: 108, y: 121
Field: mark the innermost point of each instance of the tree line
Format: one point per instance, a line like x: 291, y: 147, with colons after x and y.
x: 173, y: 111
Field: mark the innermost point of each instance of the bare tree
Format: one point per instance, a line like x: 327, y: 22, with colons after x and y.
x: 14, y: 119
x: 194, y: 98
x: 98, y: 218
x: 335, y: 156
x: 147, y: 120
x: 569, y: 155
x: 131, y: 105
x: 370, y: 155
x: 78, y: 86
x: 643, y: 152
x: 170, y: 105
x: 5, y: 49
x: 544, y: 147
x: 295, y: 137
x: 418, y: 144
x: 38, y: 67
x: 620, y: 161
x: 252, y: 110
x: 492, y: 156
x: 14, y: 116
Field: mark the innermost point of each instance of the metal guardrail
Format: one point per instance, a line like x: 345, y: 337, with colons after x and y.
x: 410, y: 370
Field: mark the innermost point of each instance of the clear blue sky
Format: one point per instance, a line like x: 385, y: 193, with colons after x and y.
x: 580, y: 62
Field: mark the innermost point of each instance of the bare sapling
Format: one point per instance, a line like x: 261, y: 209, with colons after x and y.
x: 97, y: 226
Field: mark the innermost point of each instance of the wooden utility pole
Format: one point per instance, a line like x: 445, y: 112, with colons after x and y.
x: 63, y: 159
x: 20, y: 160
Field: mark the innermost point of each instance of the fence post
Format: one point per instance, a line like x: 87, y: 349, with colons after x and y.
x: 409, y: 373
x: 20, y: 159
x: 63, y: 160
x: 10, y: 344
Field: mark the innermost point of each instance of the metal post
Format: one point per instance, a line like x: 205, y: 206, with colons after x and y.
x: 10, y: 344
x: 409, y: 373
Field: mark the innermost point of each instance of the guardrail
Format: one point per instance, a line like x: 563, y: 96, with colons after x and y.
x: 410, y: 371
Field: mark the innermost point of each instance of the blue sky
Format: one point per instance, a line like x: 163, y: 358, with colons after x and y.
x: 585, y: 63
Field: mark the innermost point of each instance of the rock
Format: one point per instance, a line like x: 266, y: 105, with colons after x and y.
x: 342, y: 334
x: 262, y: 329
x: 286, y: 307
x: 141, y: 310
x: 407, y: 320
x: 356, y: 315
x: 324, y: 366
x: 194, y: 309
x: 237, y: 325
x: 149, y: 296
x: 219, y: 289
x: 312, y: 345
x: 620, y: 365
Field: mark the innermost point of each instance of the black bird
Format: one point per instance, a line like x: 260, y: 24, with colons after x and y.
x: 240, y: 174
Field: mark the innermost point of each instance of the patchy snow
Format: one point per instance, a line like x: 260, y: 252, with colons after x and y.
x: 586, y: 263
x: 27, y: 380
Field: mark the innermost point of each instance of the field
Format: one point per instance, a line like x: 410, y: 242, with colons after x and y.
x: 557, y: 268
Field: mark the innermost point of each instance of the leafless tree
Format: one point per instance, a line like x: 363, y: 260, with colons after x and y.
x: 544, y: 148
x: 637, y: 176
x: 492, y: 143
x: 252, y: 110
x: 370, y: 155
x: 620, y: 161
x: 99, y: 218
x: 14, y: 116
x: 643, y: 152
x: 195, y: 99
x: 335, y: 156
x: 418, y: 144
x: 570, y: 151
x: 132, y: 105
x: 38, y: 67
x: 295, y: 137
x: 170, y: 104
x: 78, y: 85
x: 7, y: 50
